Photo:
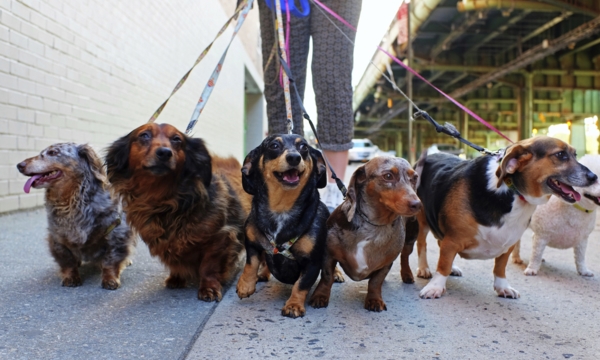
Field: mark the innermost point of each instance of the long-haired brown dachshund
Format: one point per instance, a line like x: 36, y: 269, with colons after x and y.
x: 188, y: 207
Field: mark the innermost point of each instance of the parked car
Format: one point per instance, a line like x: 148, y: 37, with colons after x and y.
x: 447, y: 148
x: 362, y: 150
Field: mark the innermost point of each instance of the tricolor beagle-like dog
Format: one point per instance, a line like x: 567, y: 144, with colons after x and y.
x: 479, y: 208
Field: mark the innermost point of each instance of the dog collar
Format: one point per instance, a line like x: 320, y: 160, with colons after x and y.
x: 579, y: 207
x: 513, y: 188
x: 283, y: 249
x: 113, y: 225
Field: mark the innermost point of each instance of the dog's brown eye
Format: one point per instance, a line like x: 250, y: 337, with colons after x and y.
x: 274, y: 146
x: 561, y: 155
x: 144, y: 136
x: 388, y: 176
x: 51, y: 153
x: 176, y: 139
x: 303, y: 147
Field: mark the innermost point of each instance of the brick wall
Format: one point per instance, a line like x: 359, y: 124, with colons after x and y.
x: 89, y: 71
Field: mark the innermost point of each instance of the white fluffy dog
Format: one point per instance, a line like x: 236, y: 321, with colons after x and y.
x: 562, y: 225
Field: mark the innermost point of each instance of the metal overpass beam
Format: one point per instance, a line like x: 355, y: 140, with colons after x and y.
x: 570, y: 7
x: 499, y: 31
x: 444, y: 44
x: 534, y: 54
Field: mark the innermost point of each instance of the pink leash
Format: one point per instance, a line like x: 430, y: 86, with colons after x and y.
x: 396, y: 60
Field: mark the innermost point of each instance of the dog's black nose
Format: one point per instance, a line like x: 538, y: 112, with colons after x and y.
x: 591, y: 176
x: 163, y: 154
x: 21, y: 166
x: 293, y: 159
x: 414, y: 205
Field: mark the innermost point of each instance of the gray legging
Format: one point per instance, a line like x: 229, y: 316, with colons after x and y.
x: 331, y: 71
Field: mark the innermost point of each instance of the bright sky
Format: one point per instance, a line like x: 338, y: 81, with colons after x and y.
x: 375, y: 17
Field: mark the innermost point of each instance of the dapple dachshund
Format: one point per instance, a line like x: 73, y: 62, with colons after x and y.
x: 84, y: 221
x: 366, y: 232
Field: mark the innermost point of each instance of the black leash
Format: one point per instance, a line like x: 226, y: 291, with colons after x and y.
x: 451, y: 130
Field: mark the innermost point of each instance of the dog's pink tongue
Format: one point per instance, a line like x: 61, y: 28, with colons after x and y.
x: 29, y: 182
x: 569, y: 190
x: 291, y: 176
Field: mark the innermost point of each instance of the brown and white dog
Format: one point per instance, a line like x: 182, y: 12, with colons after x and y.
x: 480, y: 208
x: 366, y: 232
x: 84, y: 222
x: 189, y: 207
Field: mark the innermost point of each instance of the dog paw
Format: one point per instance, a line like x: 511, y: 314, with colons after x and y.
x: 111, y: 284
x: 175, y: 282
x: 72, y: 281
x: 264, y: 278
x: 293, y: 310
x: 503, y: 289
x: 424, y: 273
x: 530, y: 272
x: 244, y: 289
x: 128, y: 262
x: 209, y: 294
x: 432, y: 291
x: 585, y: 272
x: 375, y: 305
x: 319, y: 301
x: 338, y: 275
x: 456, y: 271
x: 407, y: 277
x: 507, y: 292
x: 517, y: 260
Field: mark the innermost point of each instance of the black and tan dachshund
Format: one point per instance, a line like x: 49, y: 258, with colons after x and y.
x: 286, y: 226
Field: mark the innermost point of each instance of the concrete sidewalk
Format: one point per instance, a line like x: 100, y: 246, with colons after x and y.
x: 42, y: 320
x: 556, y: 316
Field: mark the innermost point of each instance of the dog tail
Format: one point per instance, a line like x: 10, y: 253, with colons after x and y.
x: 419, y: 167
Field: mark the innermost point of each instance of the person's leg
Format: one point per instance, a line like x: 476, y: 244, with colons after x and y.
x: 332, y: 65
x: 299, y: 45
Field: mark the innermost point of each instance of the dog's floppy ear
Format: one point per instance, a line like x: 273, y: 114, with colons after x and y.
x: 197, y: 161
x: 354, y: 189
x: 514, y: 158
x: 117, y: 159
x: 319, y: 163
x: 248, y: 171
x: 88, y: 155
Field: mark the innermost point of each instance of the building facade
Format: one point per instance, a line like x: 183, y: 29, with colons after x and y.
x: 91, y: 71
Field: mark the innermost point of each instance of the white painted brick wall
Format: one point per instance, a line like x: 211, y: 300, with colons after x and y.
x: 91, y: 71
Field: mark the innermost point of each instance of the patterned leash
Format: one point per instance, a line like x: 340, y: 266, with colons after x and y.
x: 448, y: 128
x: 284, y: 56
x: 202, y: 55
x: 215, y: 75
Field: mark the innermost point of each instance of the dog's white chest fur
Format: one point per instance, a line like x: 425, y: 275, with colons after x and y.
x: 495, y: 241
x: 361, y: 260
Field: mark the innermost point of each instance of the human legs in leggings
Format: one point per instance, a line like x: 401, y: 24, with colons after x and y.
x: 332, y: 64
